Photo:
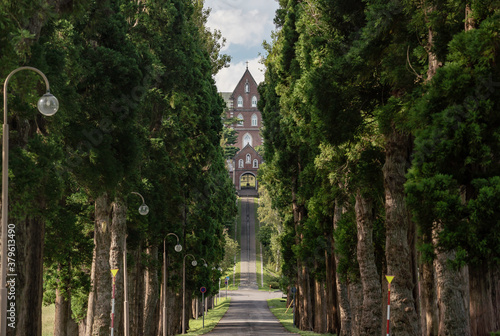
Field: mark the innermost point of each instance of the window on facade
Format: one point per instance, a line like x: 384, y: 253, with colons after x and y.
x: 256, y: 163
x: 247, y: 140
x: 249, y: 158
x: 254, y: 101
x: 240, y: 163
x: 240, y: 119
x: 247, y: 88
x: 240, y: 101
x: 254, y: 120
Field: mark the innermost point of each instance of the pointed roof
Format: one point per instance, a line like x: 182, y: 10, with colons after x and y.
x: 246, y: 75
x: 240, y: 152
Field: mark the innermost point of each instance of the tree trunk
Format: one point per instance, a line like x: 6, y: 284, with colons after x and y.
x: 332, y: 305
x: 469, y: 19
x: 433, y: 61
x: 371, y: 319
x: 63, y: 322
x: 495, y: 281
x: 482, y: 313
x: 356, y: 304
x: 62, y: 314
x: 29, y: 236
x: 341, y: 285
x: 99, y: 307
x: 303, y: 311
x: 452, y: 293
x: 430, y: 318
x: 404, y: 317
x: 136, y: 293
x: 319, y: 310
x: 118, y: 232
x: 174, y: 306
x: 64, y: 325
x: 151, y: 293
x: 28, y: 282
x: 430, y: 315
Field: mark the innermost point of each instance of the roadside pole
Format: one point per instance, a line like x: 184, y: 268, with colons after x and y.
x: 389, y: 280
x: 218, y: 295
x: 203, y: 290
x: 113, y: 272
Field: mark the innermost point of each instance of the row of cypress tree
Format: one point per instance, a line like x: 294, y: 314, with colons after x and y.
x: 382, y: 154
x: 139, y: 112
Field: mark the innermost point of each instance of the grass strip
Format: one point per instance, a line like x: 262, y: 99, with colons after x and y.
x: 212, y: 317
x: 48, y: 317
x: 278, y: 308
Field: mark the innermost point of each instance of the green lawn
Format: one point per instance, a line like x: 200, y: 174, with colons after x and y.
x: 211, y: 319
x: 195, y: 326
x: 278, y: 308
x: 48, y: 318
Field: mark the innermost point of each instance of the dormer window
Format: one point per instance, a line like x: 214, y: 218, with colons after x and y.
x: 254, y: 101
x: 240, y: 101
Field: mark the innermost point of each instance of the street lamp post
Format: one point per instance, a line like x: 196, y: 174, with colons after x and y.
x: 194, y: 263
x: 47, y: 105
x: 177, y: 248
x: 204, y: 304
x: 143, y: 210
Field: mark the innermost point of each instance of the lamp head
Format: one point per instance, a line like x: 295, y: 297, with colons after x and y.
x: 178, y: 248
x: 194, y: 263
x: 48, y: 104
x: 144, y: 209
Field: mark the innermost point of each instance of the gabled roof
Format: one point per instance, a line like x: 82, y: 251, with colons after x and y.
x: 245, y: 74
x: 240, y: 152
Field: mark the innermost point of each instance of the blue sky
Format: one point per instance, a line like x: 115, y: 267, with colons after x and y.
x: 245, y: 25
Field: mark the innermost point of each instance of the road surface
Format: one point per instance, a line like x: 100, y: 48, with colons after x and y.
x: 248, y: 312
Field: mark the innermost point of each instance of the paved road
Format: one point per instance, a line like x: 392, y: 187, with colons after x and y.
x: 248, y: 276
x: 248, y: 312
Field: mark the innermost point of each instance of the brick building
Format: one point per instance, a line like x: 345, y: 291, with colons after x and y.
x: 242, y: 104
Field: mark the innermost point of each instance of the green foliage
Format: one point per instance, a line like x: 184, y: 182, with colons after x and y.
x: 228, y: 139
x: 345, y: 246
x: 231, y: 249
x: 454, y: 168
x: 139, y: 111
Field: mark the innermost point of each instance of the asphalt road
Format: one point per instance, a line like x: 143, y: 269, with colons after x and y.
x: 248, y: 312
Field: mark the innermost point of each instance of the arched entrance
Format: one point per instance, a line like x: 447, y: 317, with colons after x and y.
x: 248, y: 181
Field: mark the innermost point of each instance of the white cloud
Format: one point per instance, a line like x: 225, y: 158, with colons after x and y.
x: 242, y: 22
x: 228, y: 78
x: 239, y: 27
x: 245, y: 25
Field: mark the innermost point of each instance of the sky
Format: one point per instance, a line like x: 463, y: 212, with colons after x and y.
x: 245, y: 24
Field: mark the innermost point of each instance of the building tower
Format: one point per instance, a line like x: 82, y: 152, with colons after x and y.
x: 242, y: 104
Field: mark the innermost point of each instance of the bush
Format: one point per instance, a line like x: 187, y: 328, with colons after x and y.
x: 274, y: 284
